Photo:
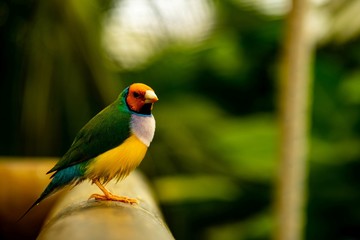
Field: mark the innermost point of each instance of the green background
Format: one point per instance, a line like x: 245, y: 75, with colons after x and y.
x: 214, y: 157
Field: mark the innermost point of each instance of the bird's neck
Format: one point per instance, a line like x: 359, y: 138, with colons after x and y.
x: 143, y: 127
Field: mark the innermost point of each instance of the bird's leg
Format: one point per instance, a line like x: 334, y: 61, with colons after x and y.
x: 109, y: 196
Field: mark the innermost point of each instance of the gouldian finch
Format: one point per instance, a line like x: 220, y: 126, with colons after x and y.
x: 109, y: 146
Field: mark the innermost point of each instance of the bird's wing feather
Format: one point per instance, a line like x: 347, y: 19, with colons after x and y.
x: 106, y: 130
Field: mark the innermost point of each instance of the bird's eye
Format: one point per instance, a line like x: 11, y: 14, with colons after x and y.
x: 136, y: 95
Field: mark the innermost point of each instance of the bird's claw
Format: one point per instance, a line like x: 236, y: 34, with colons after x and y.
x: 114, y: 198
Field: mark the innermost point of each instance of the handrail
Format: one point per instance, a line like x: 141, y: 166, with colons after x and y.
x: 79, y: 218
x: 74, y: 216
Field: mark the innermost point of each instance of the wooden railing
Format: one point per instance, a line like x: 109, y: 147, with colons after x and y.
x: 74, y: 216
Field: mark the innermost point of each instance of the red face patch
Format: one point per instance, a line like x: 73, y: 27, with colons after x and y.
x: 140, y: 98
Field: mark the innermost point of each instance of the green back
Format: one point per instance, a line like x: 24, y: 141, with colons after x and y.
x: 106, y: 130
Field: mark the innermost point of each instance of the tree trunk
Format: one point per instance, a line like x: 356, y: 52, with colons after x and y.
x: 295, y: 85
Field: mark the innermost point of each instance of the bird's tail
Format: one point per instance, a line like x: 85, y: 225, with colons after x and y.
x: 60, y: 179
x: 31, y: 207
x: 50, y: 189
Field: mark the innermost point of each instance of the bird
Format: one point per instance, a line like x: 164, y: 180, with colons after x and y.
x: 109, y: 146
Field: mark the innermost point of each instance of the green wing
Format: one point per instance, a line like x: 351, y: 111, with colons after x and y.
x: 106, y: 130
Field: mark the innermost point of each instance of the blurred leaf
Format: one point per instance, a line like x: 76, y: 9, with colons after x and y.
x: 257, y: 227
x: 225, y: 55
x: 195, y: 188
x: 248, y: 145
x: 350, y: 88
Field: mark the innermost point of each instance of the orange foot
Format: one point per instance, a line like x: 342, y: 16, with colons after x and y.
x: 111, y: 197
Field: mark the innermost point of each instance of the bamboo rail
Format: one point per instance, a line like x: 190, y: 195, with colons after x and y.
x: 76, y: 217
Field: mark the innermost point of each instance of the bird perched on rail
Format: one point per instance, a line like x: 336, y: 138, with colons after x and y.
x: 109, y: 146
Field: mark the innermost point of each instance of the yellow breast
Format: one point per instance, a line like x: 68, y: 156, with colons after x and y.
x: 119, y: 161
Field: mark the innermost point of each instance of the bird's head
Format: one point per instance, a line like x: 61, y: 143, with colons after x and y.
x: 140, y: 98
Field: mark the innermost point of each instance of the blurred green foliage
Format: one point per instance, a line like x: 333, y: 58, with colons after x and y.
x: 213, y: 159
